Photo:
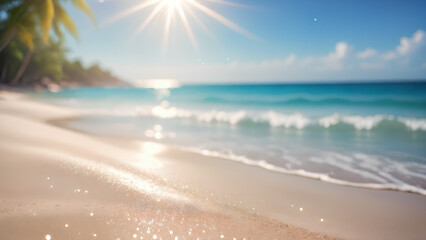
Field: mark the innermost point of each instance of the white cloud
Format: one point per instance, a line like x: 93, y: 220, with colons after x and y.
x: 340, y: 64
x: 307, y: 61
x: 371, y: 66
x: 290, y: 60
x: 334, y: 60
x: 278, y: 62
x: 389, y: 56
x: 367, y: 53
x: 342, y: 50
x: 407, y: 46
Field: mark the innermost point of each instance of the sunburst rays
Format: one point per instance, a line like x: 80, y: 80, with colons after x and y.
x: 220, y: 18
x: 182, y: 9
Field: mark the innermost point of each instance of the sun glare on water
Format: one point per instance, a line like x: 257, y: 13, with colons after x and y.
x: 182, y: 9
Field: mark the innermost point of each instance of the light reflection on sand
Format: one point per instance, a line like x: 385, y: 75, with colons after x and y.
x: 113, y: 174
x: 147, y: 156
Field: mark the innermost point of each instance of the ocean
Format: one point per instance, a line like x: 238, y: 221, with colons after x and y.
x: 361, y: 135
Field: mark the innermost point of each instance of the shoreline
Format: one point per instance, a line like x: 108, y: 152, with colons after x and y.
x: 262, y: 164
x: 289, y: 193
x: 267, y: 199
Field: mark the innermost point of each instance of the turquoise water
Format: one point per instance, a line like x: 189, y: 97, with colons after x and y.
x: 366, y: 135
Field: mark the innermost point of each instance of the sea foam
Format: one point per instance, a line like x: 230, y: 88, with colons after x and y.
x: 360, y: 122
x: 413, y: 123
x: 382, y: 179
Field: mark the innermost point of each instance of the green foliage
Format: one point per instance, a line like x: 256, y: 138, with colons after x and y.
x: 49, y: 61
x: 46, y: 61
x: 93, y: 76
x: 31, y: 21
x: 30, y: 16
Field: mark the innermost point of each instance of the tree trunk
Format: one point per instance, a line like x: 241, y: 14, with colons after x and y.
x: 8, y: 39
x: 3, y: 73
x: 22, y: 68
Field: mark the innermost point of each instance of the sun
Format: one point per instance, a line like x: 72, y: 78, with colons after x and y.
x: 172, y: 3
x: 181, y: 8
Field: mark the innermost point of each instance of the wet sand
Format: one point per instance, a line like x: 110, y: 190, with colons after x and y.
x: 69, y: 185
x: 341, y: 211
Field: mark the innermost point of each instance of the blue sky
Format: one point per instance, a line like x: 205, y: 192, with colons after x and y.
x: 293, y: 41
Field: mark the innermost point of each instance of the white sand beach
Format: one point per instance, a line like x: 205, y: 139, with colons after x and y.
x: 56, y: 183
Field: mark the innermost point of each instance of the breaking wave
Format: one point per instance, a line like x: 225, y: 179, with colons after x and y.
x: 272, y: 118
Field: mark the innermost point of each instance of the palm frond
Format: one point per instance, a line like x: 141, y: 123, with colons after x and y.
x: 84, y: 7
x: 62, y: 17
x: 47, y: 13
x: 25, y: 36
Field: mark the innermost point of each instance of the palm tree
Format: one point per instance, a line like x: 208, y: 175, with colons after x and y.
x: 10, y: 33
x: 25, y: 17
